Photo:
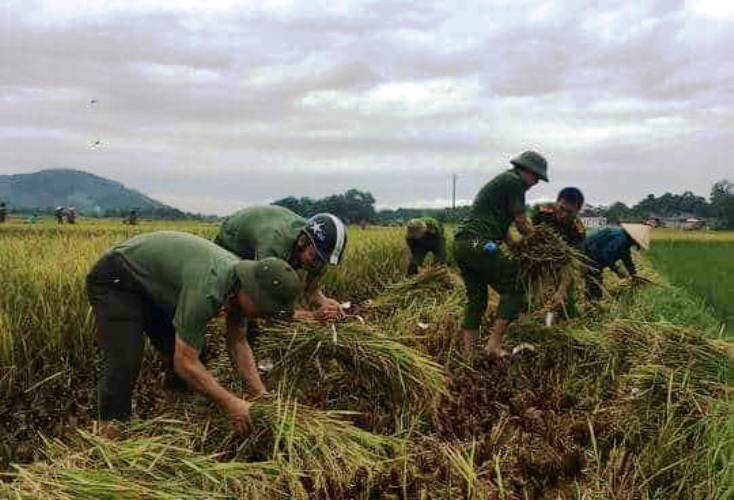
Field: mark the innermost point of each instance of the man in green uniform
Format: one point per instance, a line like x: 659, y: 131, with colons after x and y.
x: 306, y: 244
x: 562, y: 217
x: 479, y: 254
x: 169, y: 285
x: 424, y: 235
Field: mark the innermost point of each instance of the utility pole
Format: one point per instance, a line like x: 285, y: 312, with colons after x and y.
x: 453, y: 191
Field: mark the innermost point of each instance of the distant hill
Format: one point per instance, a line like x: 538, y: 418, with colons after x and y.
x: 89, y: 193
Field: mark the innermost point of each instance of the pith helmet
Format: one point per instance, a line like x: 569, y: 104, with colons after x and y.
x: 532, y: 161
x: 416, y: 228
x: 273, y: 284
x: 640, y: 234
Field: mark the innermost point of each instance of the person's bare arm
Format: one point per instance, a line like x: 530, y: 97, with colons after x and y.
x: 187, y: 365
x: 523, y: 224
x: 241, y: 354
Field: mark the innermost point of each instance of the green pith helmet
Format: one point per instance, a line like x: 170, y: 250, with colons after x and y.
x: 532, y: 161
x: 273, y: 284
x: 416, y: 228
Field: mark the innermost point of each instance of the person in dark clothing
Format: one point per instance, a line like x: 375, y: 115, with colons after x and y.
x: 423, y: 236
x: 3, y: 212
x: 59, y: 214
x: 606, y: 247
x: 562, y: 216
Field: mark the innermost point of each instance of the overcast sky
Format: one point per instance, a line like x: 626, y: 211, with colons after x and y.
x: 240, y: 103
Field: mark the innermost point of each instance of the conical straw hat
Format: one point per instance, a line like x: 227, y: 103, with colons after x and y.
x: 640, y: 233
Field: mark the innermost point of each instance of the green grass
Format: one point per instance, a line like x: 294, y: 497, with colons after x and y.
x: 703, y: 263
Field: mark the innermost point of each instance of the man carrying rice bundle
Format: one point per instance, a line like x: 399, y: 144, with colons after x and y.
x: 169, y: 285
x: 308, y: 245
x: 562, y: 216
x: 479, y: 254
x: 609, y: 245
x: 424, y: 235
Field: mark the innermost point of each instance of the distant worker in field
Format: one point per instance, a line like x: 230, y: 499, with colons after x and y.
x: 3, y: 212
x: 33, y: 218
x: 306, y: 244
x: 132, y: 217
x: 425, y: 235
x: 71, y: 215
x: 479, y: 252
x: 563, y: 217
x: 606, y: 247
x: 59, y: 214
x: 169, y: 285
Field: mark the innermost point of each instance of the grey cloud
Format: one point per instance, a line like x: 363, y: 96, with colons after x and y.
x: 186, y: 102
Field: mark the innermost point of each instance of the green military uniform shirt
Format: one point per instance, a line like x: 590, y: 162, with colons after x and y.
x: 183, y: 273
x: 255, y: 233
x: 258, y: 232
x: 493, y: 211
x: 495, y: 208
x: 572, y: 232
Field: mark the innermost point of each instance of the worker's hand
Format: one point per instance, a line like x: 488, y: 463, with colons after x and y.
x: 329, y: 309
x: 239, y: 416
x: 303, y: 315
x: 556, y: 301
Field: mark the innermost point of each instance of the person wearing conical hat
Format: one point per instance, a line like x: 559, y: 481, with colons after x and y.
x: 479, y: 254
x: 424, y: 235
x: 609, y: 245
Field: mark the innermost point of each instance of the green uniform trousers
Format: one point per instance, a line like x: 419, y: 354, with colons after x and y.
x: 480, y: 269
x: 123, y: 314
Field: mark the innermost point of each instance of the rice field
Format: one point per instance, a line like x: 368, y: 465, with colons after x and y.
x: 702, y: 261
x: 630, y: 400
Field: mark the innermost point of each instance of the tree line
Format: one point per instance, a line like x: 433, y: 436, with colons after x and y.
x: 355, y: 206
x: 719, y: 206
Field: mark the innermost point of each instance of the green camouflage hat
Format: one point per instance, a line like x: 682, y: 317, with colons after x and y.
x: 272, y: 283
x: 416, y: 228
x: 532, y: 161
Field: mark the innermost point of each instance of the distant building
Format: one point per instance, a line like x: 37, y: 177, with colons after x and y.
x: 591, y: 218
x: 683, y: 221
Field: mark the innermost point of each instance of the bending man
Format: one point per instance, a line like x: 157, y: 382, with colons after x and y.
x: 169, y: 285
x: 562, y: 216
x: 423, y: 236
x: 609, y: 245
x: 306, y: 244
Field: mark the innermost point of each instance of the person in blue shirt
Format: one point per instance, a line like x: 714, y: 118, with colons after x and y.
x: 606, y: 247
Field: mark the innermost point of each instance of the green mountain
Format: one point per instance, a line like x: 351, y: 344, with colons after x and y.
x: 89, y: 193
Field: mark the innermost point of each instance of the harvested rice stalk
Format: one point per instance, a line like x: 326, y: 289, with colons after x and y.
x: 433, y: 283
x: 372, y: 361
x: 548, y: 265
x: 328, y: 450
x: 156, y: 461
